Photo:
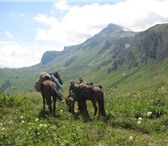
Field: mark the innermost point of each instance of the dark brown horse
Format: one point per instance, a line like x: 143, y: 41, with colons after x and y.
x: 83, y: 93
x: 50, y: 89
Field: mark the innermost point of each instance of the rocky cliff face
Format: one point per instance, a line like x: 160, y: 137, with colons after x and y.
x: 150, y: 44
x: 49, y: 56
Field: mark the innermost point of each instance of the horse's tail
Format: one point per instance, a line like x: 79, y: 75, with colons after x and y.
x: 101, y: 104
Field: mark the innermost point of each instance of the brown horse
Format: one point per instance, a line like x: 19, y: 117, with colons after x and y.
x: 49, y: 89
x: 83, y: 93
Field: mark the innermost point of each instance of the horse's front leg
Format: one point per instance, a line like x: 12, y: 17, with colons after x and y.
x: 72, y: 106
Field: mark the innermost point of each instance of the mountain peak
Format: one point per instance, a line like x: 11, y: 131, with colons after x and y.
x: 112, y: 28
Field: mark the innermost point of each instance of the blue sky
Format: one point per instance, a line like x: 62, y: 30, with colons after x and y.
x: 28, y: 29
x: 16, y: 18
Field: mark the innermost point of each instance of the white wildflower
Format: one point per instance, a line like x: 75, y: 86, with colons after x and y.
x: 149, y: 114
x: 139, y: 122
x: 22, y: 121
x: 41, y: 125
x: 131, y: 138
x: 139, y: 119
x: 21, y: 117
x: 3, y: 129
x: 37, y: 120
x: 76, y: 111
x: 70, y: 98
x: 45, y: 125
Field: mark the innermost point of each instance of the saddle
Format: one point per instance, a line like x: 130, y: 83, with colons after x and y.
x: 38, y: 84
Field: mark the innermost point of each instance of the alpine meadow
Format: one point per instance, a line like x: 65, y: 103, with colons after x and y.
x: 131, y: 67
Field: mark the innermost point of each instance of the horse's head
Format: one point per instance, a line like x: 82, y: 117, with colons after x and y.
x: 56, y: 74
x: 73, y: 90
x: 72, y: 86
x: 70, y: 100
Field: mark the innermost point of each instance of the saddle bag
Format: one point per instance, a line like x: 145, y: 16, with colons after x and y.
x: 38, y: 86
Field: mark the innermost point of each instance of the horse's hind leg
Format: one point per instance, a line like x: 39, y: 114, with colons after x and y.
x: 43, y: 96
x: 85, y: 111
x: 101, y: 106
x: 95, y: 107
x: 49, y: 105
x: 54, y: 105
x: 50, y: 108
x: 43, y: 103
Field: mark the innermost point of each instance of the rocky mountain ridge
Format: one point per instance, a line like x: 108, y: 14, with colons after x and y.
x: 116, y: 46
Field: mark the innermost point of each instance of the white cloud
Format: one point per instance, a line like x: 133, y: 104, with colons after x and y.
x: 8, y: 34
x: 44, y: 19
x: 15, y: 55
x: 61, y: 5
x: 21, y: 55
x: 81, y: 22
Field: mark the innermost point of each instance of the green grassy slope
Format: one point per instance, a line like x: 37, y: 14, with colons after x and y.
x: 133, y: 118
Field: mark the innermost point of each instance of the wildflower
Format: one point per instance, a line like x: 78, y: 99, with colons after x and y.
x: 45, y: 125
x: 70, y: 98
x: 37, y: 120
x: 1, y: 124
x: 21, y: 117
x: 131, y: 138
x: 149, y: 114
x: 22, y: 121
x: 3, y: 129
x: 41, y: 125
x: 139, y: 122
x: 139, y: 119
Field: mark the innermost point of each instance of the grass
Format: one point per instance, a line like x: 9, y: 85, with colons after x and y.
x: 135, y: 118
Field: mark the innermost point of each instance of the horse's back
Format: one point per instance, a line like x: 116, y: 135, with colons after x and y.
x: 46, y: 83
x: 46, y: 87
x: 97, y: 89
